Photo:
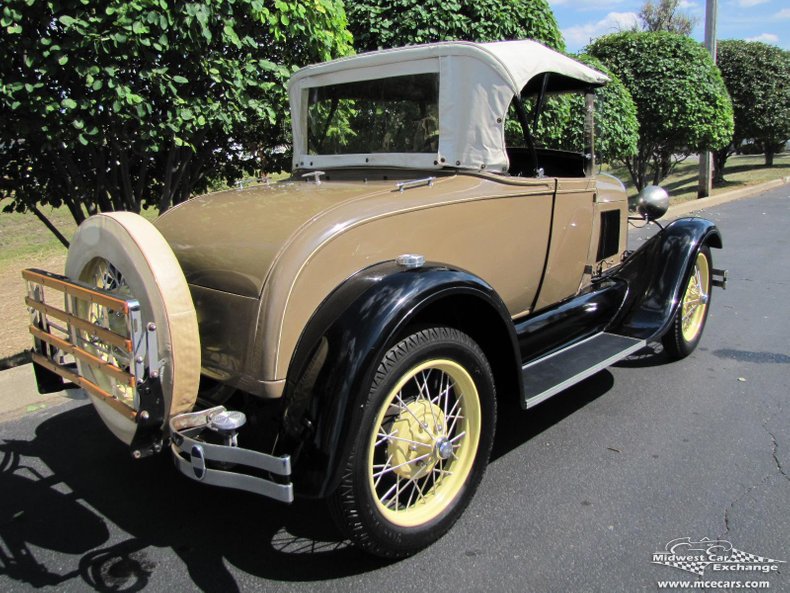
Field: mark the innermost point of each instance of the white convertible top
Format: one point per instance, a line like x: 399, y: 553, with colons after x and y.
x: 477, y: 82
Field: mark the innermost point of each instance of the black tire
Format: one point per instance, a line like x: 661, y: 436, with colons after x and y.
x: 399, y: 494
x: 685, y: 332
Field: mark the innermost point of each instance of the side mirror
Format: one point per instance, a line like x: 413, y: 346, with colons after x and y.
x: 652, y: 202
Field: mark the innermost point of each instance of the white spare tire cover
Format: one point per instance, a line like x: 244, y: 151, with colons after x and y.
x: 152, y: 275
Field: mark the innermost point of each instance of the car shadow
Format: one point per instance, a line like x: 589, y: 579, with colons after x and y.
x: 516, y: 426
x: 72, y: 487
x: 64, y: 489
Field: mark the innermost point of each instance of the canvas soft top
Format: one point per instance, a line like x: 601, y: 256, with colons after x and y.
x: 477, y: 82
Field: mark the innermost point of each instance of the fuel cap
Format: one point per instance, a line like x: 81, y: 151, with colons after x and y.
x: 227, y: 421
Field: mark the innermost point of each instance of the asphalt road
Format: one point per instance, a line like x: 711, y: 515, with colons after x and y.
x: 578, y: 496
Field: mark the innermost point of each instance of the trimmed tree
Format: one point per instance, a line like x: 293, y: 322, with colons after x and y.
x: 616, y: 126
x: 681, y: 101
x: 119, y: 105
x: 391, y: 23
x: 757, y: 76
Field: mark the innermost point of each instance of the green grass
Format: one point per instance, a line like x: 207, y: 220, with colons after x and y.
x: 739, y: 172
x: 24, y: 236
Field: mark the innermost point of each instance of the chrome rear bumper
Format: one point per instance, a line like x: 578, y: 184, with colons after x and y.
x: 219, y: 464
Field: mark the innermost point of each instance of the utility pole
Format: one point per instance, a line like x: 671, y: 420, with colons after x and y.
x: 706, y: 157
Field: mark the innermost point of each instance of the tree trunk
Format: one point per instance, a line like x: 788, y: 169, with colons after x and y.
x: 719, y: 160
x: 769, y: 155
x: 48, y: 223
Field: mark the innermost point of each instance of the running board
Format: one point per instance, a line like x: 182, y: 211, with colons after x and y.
x: 556, y: 372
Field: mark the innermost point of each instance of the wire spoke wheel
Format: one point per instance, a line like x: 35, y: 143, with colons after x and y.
x: 695, y: 300
x: 425, y: 441
x: 104, y: 275
x: 685, y: 331
x: 422, y: 446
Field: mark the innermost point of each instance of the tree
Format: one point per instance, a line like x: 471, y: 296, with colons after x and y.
x: 664, y: 16
x: 616, y: 126
x: 681, y: 101
x: 118, y: 105
x: 757, y: 76
x: 391, y: 23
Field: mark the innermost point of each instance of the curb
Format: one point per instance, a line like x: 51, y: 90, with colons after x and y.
x: 703, y: 203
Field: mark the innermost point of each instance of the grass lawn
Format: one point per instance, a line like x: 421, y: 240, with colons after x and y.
x: 740, y: 171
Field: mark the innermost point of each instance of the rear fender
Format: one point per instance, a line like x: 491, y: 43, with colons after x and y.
x: 657, y: 274
x: 344, y: 341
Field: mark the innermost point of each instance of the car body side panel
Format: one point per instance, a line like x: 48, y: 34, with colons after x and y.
x: 497, y: 231
x: 243, y: 231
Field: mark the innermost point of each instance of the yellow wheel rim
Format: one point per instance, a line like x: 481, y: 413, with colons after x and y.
x: 695, y: 299
x: 424, y: 443
x: 103, y: 274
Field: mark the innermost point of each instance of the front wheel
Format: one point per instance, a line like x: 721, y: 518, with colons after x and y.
x: 686, y: 330
x: 422, y: 446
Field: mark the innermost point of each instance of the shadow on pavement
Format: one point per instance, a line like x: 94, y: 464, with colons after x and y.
x: 93, y: 482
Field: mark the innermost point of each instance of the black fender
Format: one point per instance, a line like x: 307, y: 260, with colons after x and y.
x: 657, y: 274
x: 346, y: 338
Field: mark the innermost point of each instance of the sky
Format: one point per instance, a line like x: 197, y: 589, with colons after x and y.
x: 755, y: 20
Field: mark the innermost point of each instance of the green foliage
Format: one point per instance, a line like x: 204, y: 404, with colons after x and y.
x: 757, y: 76
x: 616, y: 126
x: 682, y: 103
x: 126, y: 103
x: 393, y: 23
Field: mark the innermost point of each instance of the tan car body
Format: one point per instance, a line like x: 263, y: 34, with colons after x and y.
x: 275, y: 252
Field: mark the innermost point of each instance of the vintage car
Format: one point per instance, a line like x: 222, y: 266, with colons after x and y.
x: 347, y: 333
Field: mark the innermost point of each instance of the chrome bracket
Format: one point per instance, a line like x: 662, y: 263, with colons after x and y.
x: 224, y: 464
x: 316, y: 175
x: 719, y: 278
x: 404, y: 185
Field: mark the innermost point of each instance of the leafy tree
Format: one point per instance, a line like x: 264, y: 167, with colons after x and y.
x: 663, y: 15
x: 681, y: 101
x: 616, y: 126
x: 392, y: 23
x: 123, y: 104
x: 757, y: 76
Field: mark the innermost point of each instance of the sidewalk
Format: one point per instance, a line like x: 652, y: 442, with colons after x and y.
x: 19, y: 395
x: 684, y: 208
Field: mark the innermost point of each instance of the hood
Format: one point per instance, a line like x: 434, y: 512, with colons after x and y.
x: 229, y: 240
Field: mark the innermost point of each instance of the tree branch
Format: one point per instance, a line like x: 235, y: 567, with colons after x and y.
x: 40, y: 215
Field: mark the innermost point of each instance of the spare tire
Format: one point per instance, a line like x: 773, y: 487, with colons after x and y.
x: 125, y: 254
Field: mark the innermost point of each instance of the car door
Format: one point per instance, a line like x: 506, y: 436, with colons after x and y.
x: 569, y: 242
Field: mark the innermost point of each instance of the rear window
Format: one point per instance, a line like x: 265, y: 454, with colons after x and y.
x: 399, y: 114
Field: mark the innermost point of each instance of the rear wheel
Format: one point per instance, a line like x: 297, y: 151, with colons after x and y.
x: 422, y: 446
x: 686, y: 330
